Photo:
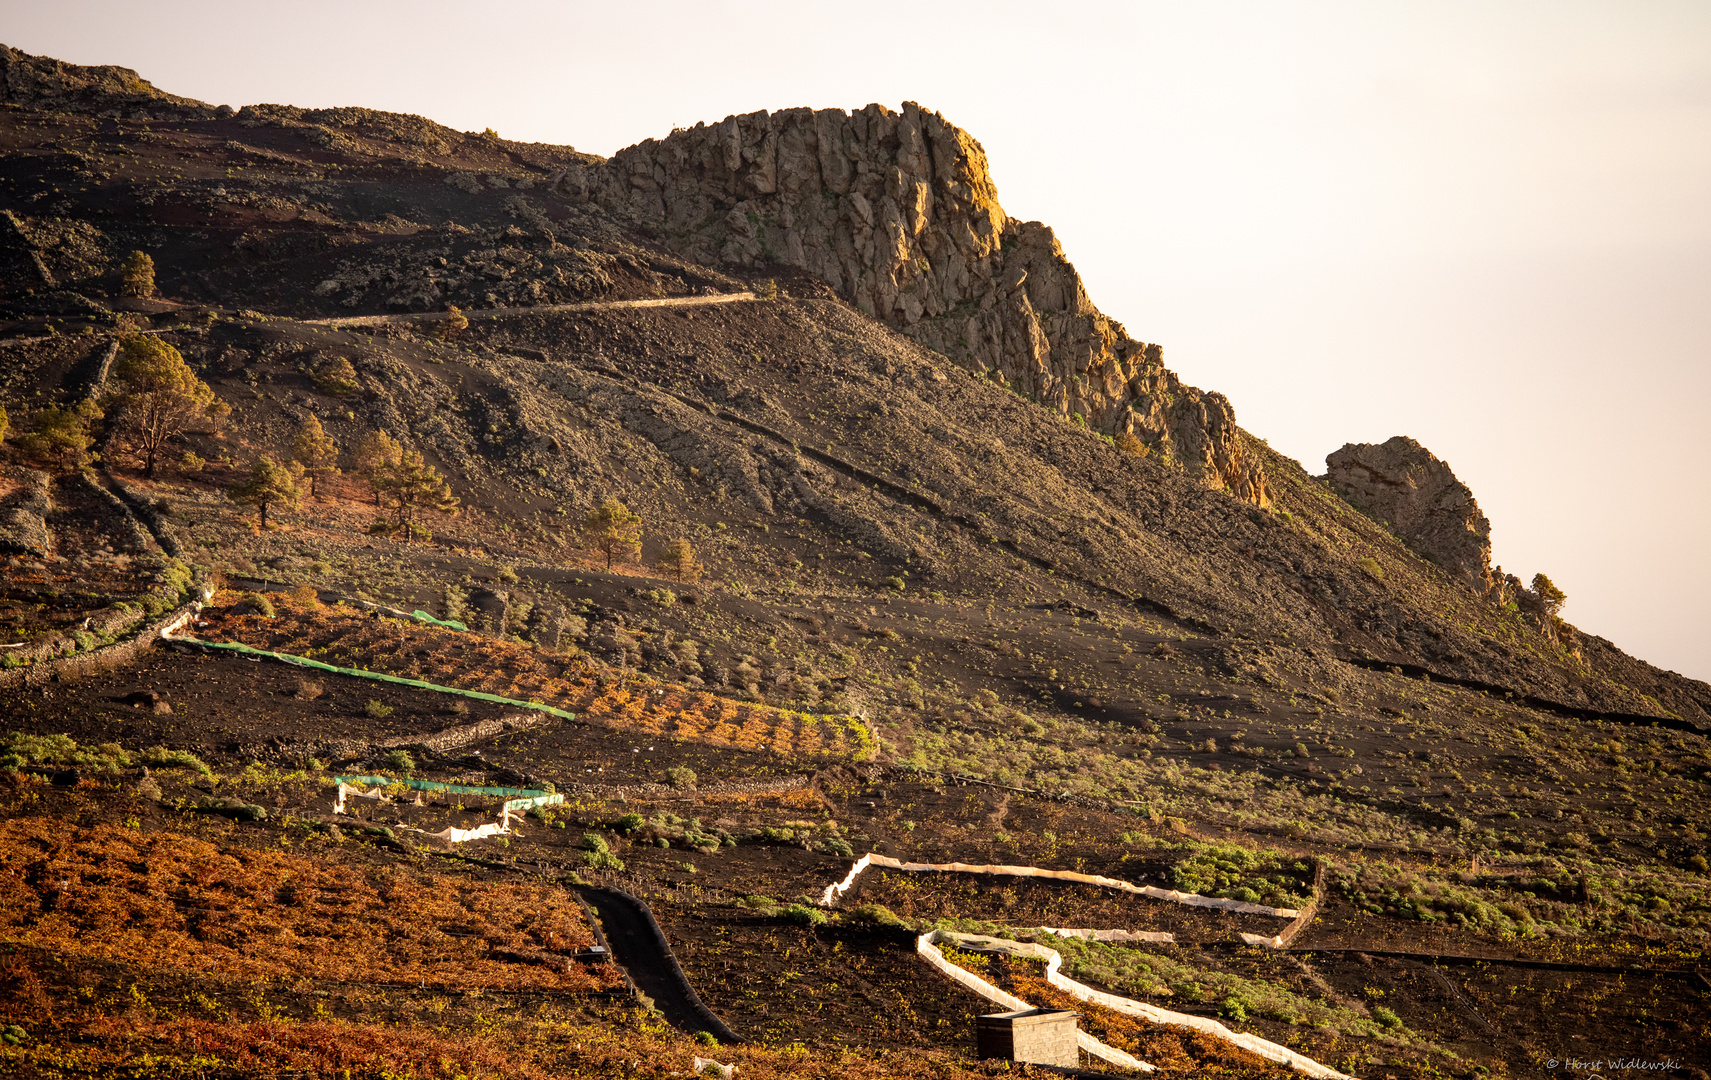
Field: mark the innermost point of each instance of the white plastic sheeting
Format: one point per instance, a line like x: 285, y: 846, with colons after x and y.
x: 927, y: 946
x: 452, y: 834
x: 347, y: 791
x: 836, y: 890
x: 1150, y: 1013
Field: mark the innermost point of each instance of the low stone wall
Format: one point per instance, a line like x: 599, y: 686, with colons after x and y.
x: 102, y: 659
x: 140, y: 536
x: 150, y: 516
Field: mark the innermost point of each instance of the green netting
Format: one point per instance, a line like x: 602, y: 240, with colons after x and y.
x: 435, y: 785
x: 377, y: 676
x: 524, y: 798
x: 448, y: 624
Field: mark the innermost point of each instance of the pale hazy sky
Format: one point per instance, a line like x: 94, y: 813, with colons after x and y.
x: 1486, y: 225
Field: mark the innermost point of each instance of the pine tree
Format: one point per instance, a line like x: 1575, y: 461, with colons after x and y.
x: 1550, y: 597
x: 678, y: 560
x: 156, y: 397
x: 61, y: 435
x: 412, y: 485
x: 455, y: 322
x: 270, y: 484
x: 315, y: 450
x: 136, y: 275
x: 376, y: 457
x: 614, y: 531
x: 336, y: 376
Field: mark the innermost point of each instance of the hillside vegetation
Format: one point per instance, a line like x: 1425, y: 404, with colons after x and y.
x: 767, y: 542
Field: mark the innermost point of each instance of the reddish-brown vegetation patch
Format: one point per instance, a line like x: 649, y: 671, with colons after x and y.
x: 169, y: 901
x: 347, y: 638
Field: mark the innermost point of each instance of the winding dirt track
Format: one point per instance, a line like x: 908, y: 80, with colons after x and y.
x: 539, y: 309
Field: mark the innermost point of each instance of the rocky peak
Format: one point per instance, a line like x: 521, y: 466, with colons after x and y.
x: 897, y: 212
x: 1404, y: 485
x: 41, y: 82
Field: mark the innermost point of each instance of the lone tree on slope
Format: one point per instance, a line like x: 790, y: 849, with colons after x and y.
x: 455, y: 323
x: 678, y: 560
x: 270, y: 485
x: 413, y: 485
x: 156, y: 398
x: 315, y: 450
x: 1550, y: 597
x: 377, y: 456
x: 613, y: 531
x: 136, y: 275
x: 336, y: 376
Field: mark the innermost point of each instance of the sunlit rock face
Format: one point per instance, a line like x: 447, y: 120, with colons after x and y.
x: 897, y: 212
x: 1404, y: 485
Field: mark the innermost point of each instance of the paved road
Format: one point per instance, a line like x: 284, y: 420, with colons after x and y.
x: 539, y: 309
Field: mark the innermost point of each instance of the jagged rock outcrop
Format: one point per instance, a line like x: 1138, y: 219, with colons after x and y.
x: 1404, y: 485
x: 897, y: 212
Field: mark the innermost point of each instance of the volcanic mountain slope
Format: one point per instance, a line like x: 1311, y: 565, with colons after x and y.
x: 903, y: 455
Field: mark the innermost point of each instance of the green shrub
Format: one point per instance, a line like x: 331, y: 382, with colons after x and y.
x: 18, y: 749
x: 599, y: 853
x: 836, y: 845
x: 159, y: 757
x: 680, y: 776
x: 379, y: 710
x: 875, y: 915
x: 1238, y: 873
x: 803, y: 915
x: 1386, y: 1017
x: 627, y: 824
x: 262, y: 603
x: 401, y: 760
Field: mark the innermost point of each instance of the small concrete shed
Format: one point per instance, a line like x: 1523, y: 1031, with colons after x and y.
x: 1040, y: 1036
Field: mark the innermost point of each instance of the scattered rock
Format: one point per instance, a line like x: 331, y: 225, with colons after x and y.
x: 232, y: 808
x: 149, y: 700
